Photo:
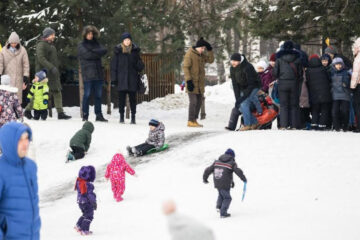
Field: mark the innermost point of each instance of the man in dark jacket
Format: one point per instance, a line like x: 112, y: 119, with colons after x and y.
x: 318, y: 82
x: 19, y: 200
x: 47, y: 58
x: 80, y: 142
x: 289, y: 71
x: 223, y: 169
x: 333, y: 53
x: 246, y: 83
x: 90, y: 52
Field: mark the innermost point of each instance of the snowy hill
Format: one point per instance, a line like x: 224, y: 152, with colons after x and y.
x: 302, y: 185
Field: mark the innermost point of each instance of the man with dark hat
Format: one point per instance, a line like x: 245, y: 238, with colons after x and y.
x: 46, y: 58
x: 194, y: 71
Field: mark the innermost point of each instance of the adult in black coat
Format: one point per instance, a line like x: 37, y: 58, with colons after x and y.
x: 289, y: 71
x: 90, y: 52
x: 126, y: 66
x: 333, y: 53
x: 318, y: 83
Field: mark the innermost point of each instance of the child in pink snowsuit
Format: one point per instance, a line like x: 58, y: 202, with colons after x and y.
x: 116, y: 172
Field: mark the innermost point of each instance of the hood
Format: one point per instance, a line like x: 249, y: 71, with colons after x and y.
x: 9, y: 88
x: 90, y: 28
x: 10, y: 135
x: 315, y: 62
x: 118, y: 160
x: 225, y: 158
x: 14, y: 38
x: 288, y: 55
x: 87, y: 173
x: 134, y: 48
x: 88, y: 126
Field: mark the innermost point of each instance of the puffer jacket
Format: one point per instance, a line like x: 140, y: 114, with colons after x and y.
x: 288, y: 67
x: 11, y: 109
x: 84, y: 186
x: 40, y: 92
x: 157, y: 136
x: 19, y: 201
x: 355, y: 77
x: 82, y: 138
x: 115, y: 171
x: 222, y: 170
x: 340, y: 84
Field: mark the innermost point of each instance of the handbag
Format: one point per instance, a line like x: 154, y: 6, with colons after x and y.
x: 143, y: 84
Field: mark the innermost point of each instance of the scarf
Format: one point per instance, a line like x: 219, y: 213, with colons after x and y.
x: 126, y: 49
x: 82, y: 185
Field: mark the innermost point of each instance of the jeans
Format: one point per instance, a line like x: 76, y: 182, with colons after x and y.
x: 90, y: 86
x: 195, y: 102
x: 245, y: 108
x: 223, y: 201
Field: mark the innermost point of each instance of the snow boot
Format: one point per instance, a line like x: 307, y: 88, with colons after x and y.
x: 122, y: 119
x: 77, y: 228
x: 69, y: 157
x: 226, y: 215
x: 63, y: 116
x: 28, y: 114
x: 85, y: 233
x: 130, y: 152
x: 133, y: 119
x: 100, y: 118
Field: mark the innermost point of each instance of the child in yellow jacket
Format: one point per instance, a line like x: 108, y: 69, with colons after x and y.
x: 40, y: 92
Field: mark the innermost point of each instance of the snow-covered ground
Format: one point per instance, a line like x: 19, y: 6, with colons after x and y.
x: 301, y: 184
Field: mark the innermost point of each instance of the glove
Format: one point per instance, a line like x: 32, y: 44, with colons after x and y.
x: 208, y: 46
x: 54, y: 71
x: 45, y: 102
x: 95, y: 206
x: 232, y: 184
x: 206, y: 181
x: 26, y: 80
x: 190, y: 85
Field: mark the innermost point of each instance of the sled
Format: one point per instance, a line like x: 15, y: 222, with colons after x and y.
x: 154, y: 150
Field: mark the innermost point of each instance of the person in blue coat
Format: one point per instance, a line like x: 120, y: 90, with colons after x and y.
x: 19, y: 201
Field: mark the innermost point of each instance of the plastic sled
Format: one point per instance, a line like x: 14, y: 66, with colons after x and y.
x: 154, y: 150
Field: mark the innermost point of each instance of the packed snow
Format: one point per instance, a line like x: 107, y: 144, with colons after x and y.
x: 301, y: 184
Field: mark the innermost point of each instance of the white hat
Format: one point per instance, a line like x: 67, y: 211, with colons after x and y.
x: 262, y: 64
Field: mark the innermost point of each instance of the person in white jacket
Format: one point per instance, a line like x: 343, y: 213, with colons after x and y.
x: 355, y: 82
x: 182, y: 227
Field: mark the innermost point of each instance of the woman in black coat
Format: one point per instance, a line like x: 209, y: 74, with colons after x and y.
x: 90, y: 52
x: 318, y: 83
x: 126, y: 66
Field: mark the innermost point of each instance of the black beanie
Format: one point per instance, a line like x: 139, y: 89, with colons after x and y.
x: 200, y: 43
x: 236, y: 57
x: 288, y: 45
x: 124, y: 36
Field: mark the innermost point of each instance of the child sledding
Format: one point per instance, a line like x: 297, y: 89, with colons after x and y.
x: 154, y: 143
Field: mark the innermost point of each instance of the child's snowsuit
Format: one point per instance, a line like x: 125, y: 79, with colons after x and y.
x: 40, y: 92
x: 116, y: 172
x: 86, y: 197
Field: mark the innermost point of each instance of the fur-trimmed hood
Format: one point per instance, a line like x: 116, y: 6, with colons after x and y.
x: 92, y: 29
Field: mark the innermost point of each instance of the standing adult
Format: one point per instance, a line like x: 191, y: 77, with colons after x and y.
x: 14, y: 62
x: 47, y: 58
x: 289, y: 72
x: 355, y: 82
x: 194, y: 71
x: 19, y: 200
x: 90, y: 52
x: 333, y: 53
x: 126, y: 66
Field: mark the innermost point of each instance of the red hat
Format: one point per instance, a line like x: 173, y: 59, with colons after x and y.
x: 272, y: 57
x: 314, y: 56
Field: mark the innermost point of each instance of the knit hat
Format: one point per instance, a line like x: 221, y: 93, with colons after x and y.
x: 14, y: 38
x: 288, y: 45
x: 230, y: 152
x: 262, y: 64
x: 5, y: 80
x: 47, y: 32
x: 314, y: 56
x: 236, y: 57
x: 154, y: 122
x: 272, y: 57
x: 201, y: 43
x: 124, y: 36
x: 41, y: 75
x: 331, y: 49
x: 338, y: 60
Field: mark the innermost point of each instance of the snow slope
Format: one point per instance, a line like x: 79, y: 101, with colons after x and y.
x: 302, y: 185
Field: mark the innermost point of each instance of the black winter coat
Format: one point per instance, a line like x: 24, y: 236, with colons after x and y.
x: 126, y: 68
x: 288, y: 68
x: 318, y: 82
x: 223, y: 169
x: 90, y: 53
x: 244, y: 80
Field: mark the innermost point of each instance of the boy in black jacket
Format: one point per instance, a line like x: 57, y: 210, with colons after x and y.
x: 223, y: 169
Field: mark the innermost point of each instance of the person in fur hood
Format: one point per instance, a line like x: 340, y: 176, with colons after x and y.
x: 10, y: 106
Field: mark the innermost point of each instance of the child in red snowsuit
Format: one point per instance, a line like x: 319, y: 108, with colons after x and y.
x: 116, y: 172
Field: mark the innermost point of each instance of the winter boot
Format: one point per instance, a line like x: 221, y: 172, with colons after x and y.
x: 77, y: 228
x: 130, y: 152
x: 133, y: 119
x: 63, y: 116
x: 135, y: 151
x: 28, y: 114
x: 200, y: 125
x: 193, y: 124
x: 226, y: 215
x: 245, y: 128
x: 100, y: 118
x: 69, y: 157
x: 122, y: 119
x: 85, y: 233
x: 85, y: 117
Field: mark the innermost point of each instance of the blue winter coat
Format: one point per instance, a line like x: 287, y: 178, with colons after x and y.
x: 19, y: 208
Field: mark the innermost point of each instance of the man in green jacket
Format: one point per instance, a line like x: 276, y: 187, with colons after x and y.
x: 46, y: 58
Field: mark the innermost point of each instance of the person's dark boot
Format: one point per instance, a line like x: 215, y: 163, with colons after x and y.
x: 100, y: 118
x: 28, y: 114
x: 226, y: 215
x: 85, y: 117
x: 122, y: 119
x: 63, y: 116
x: 133, y: 119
